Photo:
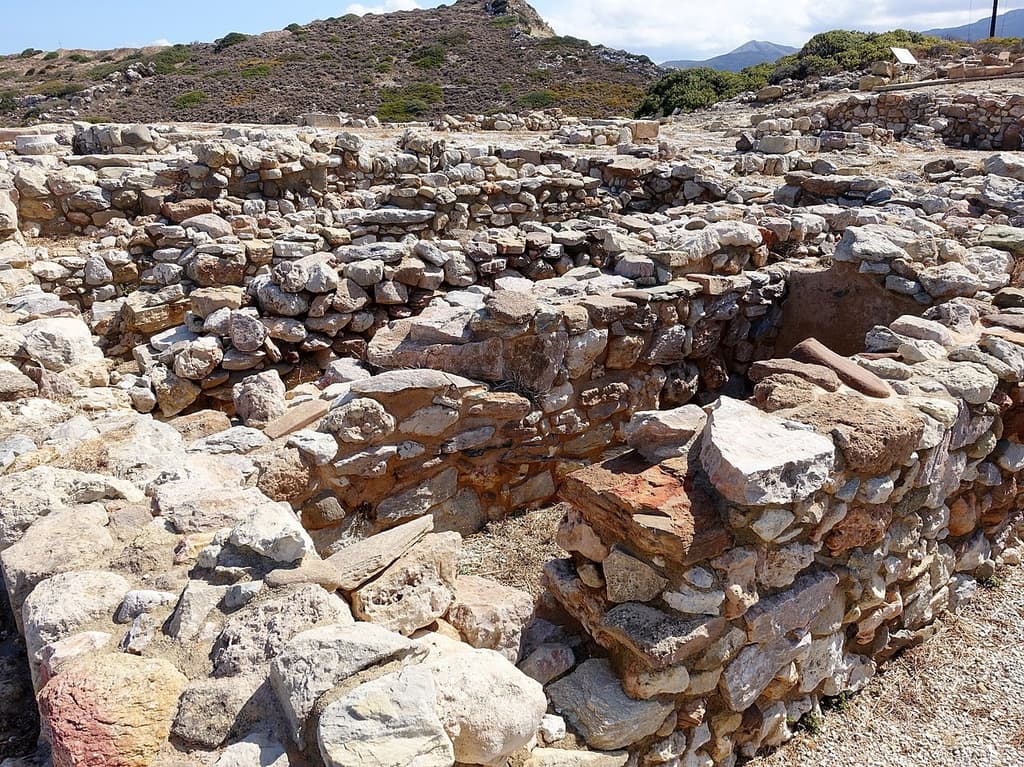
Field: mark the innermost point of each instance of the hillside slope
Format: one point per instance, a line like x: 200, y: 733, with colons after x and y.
x: 747, y: 55
x: 472, y: 56
x: 1009, y: 24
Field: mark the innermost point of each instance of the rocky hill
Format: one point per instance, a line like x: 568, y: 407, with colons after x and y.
x: 472, y: 56
x: 747, y: 55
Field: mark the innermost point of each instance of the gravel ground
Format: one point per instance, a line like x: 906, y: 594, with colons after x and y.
x: 956, y: 701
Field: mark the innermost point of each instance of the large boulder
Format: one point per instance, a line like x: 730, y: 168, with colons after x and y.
x: 386, y: 722
x: 414, y: 591
x: 490, y: 615
x: 592, y: 699
x: 315, y: 661
x: 112, y: 710
x: 488, y: 706
x: 260, y: 398
x: 58, y: 343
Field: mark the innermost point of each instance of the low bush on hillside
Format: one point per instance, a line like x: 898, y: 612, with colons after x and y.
x: 58, y: 88
x: 29, y: 53
x: 538, y: 99
x: 842, y: 50
x: 828, y: 53
x: 51, y: 56
x: 231, y: 38
x: 167, y: 60
x: 78, y: 58
x: 7, y: 103
x: 190, y: 99
x: 428, y: 57
x: 563, y: 41
x: 256, y: 69
x: 408, y: 102
x: 1015, y: 45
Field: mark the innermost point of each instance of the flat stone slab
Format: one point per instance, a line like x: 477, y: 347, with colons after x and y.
x: 359, y: 562
x: 657, y: 637
x: 658, y: 509
x: 756, y: 459
x: 593, y: 701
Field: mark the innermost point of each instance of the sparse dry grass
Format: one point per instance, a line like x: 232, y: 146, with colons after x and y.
x: 956, y: 700
x: 514, y: 550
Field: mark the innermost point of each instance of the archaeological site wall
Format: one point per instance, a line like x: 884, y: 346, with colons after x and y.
x: 257, y: 384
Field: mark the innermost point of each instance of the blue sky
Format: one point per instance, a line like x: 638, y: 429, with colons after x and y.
x: 662, y: 29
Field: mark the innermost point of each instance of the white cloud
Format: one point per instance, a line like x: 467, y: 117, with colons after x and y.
x: 386, y: 7
x: 162, y: 42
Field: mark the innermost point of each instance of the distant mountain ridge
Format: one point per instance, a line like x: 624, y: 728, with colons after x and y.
x: 747, y: 55
x: 1009, y: 24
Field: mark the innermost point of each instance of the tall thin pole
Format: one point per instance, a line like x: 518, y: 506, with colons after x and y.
x: 995, y: 12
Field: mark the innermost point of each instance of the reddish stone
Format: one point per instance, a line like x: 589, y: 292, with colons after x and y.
x: 862, y: 526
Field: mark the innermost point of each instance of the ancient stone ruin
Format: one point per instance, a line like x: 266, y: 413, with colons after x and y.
x: 259, y: 383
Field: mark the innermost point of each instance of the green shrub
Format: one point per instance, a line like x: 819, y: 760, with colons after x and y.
x: 78, y: 58
x: 29, y: 53
x: 408, y: 102
x: 454, y: 38
x: 166, y: 61
x: 190, y: 99
x: 843, y: 50
x: 697, y: 88
x: 7, y: 103
x: 504, y: 22
x: 97, y: 119
x: 231, y: 38
x: 104, y: 70
x: 256, y: 70
x: 538, y: 99
x: 293, y: 28
x: 538, y: 75
x: 428, y: 57
x: 385, y: 66
x: 348, y: 18
x: 58, y: 88
x: 51, y: 56
x: 563, y: 41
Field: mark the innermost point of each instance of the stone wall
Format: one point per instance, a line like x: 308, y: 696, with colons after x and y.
x: 754, y: 558
x: 971, y: 120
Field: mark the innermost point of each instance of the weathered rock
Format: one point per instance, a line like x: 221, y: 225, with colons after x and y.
x: 315, y: 661
x: 466, y: 684
x: 362, y: 560
x: 592, y: 700
x: 414, y: 591
x: 747, y: 676
x: 272, y: 530
x: 259, y: 399
x: 260, y: 630
x: 60, y: 605
x: 58, y: 343
x: 756, y: 459
x: 490, y: 615
x: 872, y: 436
x: 111, y: 710
x: 387, y: 722
x: 662, y: 434
x: 795, y: 608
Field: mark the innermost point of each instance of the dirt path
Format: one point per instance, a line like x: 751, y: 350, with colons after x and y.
x: 956, y: 701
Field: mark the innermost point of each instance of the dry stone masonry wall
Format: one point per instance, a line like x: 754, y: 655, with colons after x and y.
x: 267, y: 379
